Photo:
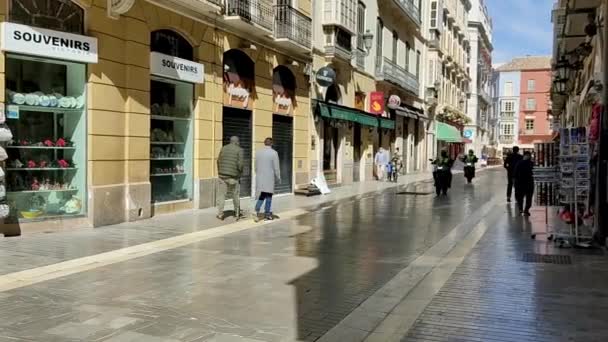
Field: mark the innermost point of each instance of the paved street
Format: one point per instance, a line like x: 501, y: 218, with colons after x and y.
x: 360, y: 266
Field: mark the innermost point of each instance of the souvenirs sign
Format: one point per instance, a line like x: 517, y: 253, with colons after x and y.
x: 41, y: 42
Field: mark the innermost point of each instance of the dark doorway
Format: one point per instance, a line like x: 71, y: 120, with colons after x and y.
x: 282, y: 136
x: 330, y: 151
x: 357, y: 142
x: 237, y: 122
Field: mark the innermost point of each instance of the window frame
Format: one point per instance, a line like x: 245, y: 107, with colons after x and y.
x: 530, y: 104
x: 531, y: 82
x: 527, y: 126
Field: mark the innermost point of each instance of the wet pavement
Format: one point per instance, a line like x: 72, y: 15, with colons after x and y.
x: 295, y: 279
x: 513, y: 288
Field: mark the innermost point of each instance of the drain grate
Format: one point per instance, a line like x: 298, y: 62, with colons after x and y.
x: 414, y: 193
x: 547, y: 258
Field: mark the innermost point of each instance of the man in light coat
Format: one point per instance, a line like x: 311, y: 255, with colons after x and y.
x: 381, y: 159
x: 267, y: 172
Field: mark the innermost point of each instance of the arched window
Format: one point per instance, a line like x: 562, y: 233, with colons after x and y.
x: 59, y: 15
x: 171, y: 43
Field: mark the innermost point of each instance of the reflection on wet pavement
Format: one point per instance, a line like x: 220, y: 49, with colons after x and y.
x: 290, y: 280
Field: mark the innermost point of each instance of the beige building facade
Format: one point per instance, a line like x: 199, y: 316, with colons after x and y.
x: 154, y: 96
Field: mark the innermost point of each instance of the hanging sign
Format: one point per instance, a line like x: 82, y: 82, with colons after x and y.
x: 325, y: 76
x: 376, y: 102
x: 41, y: 42
x: 394, y: 102
x: 176, y: 68
x: 467, y: 133
x: 360, y: 101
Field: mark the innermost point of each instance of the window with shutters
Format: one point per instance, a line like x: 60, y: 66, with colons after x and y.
x: 531, y: 85
x: 530, y: 104
x: 434, y: 13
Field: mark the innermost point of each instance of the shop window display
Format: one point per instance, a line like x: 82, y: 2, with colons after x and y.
x: 46, y: 166
x: 171, y: 140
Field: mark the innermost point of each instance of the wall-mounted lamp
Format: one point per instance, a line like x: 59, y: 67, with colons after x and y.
x: 368, y: 40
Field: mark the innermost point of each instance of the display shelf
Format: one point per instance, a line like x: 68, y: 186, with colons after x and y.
x: 26, y: 108
x: 40, y: 169
x: 171, y: 158
x: 41, y: 147
x: 166, y: 143
x: 167, y: 174
x: 39, y: 191
x: 168, y: 118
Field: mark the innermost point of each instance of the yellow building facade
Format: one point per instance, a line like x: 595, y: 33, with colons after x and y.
x: 135, y: 115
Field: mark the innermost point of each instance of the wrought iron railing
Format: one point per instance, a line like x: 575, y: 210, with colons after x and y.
x: 411, y: 9
x: 505, y: 139
x: 259, y: 12
x: 289, y: 23
x: 391, y: 72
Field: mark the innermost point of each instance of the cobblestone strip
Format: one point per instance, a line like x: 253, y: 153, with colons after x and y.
x: 386, y: 315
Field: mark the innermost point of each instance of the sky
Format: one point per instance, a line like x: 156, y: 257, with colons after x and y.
x: 521, y: 27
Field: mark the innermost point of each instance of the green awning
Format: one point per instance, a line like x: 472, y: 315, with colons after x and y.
x: 345, y: 113
x: 385, y: 123
x: 448, y: 133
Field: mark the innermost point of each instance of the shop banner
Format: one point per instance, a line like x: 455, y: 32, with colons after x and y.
x: 376, y: 102
x: 36, y: 41
x: 176, y: 68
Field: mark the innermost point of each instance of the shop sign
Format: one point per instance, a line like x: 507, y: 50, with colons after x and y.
x: 41, y: 42
x: 237, y: 90
x: 376, y: 102
x: 394, y: 102
x: 176, y: 68
x: 325, y: 76
x: 360, y: 101
x: 283, y: 102
x: 468, y: 134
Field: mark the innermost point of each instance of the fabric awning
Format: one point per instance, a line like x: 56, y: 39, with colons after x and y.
x: 448, y: 133
x: 336, y: 112
x: 386, y: 123
x: 408, y: 113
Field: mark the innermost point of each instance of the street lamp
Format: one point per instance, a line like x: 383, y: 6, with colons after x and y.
x: 563, y: 69
x: 368, y: 41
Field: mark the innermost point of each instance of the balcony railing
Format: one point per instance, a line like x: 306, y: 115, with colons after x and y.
x: 258, y: 12
x: 411, y: 9
x: 393, y: 73
x: 484, y: 95
x: 338, y: 51
x: 291, y: 24
x: 219, y: 3
x: 506, y: 139
x: 507, y: 116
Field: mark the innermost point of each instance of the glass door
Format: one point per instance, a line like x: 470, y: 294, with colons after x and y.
x: 171, y: 140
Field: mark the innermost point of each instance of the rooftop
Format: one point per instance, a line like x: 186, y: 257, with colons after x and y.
x: 527, y: 63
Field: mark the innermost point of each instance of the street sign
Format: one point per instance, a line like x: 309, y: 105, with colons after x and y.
x: 325, y: 76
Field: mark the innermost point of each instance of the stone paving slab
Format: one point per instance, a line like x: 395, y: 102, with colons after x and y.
x: 35, y: 250
x: 494, y: 296
x: 288, y: 280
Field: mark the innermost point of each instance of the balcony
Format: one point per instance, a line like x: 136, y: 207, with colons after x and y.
x: 253, y: 16
x: 393, y: 73
x: 338, y: 43
x: 507, y: 116
x: 484, y: 96
x: 506, y: 139
x: 335, y: 14
x: 192, y: 7
x: 435, y: 44
x: 410, y: 9
x: 292, y: 29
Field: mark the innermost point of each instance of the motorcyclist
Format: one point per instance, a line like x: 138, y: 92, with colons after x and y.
x: 396, y: 165
x: 469, y: 165
x: 443, y: 173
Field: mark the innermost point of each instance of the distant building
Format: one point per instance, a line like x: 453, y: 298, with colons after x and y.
x: 523, y: 101
x: 479, y: 104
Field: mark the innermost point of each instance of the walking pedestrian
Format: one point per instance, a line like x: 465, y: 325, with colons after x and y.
x: 230, y: 169
x: 267, y: 173
x: 524, y: 184
x: 510, y: 163
x: 381, y: 159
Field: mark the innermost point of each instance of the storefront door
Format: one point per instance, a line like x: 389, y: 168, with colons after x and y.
x: 357, y: 153
x: 330, y: 151
x: 237, y: 122
x: 282, y: 136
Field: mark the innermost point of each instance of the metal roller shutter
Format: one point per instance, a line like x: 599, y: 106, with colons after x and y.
x: 282, y: 136
x: 237, y: 122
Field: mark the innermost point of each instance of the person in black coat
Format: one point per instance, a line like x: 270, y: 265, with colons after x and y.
x: 510, y: 164
x: 524, y: 183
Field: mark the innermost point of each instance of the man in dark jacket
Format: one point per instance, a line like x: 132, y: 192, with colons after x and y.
x: 510, y: 164
x: 524, y: 183
x: 230, y: 169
